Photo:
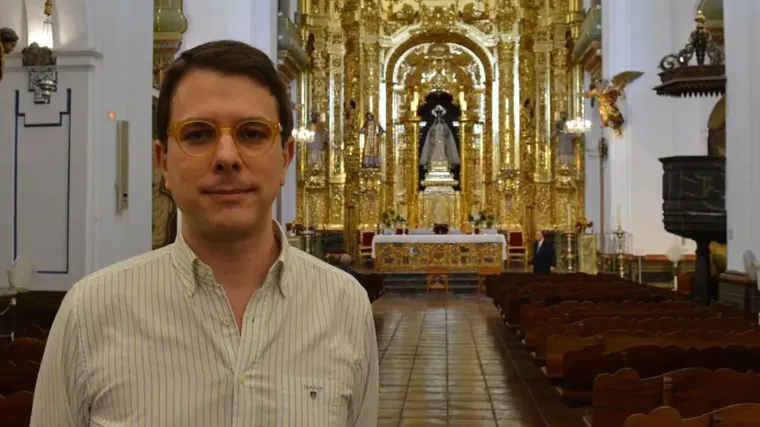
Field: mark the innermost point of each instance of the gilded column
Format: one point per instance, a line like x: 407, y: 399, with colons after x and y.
x: 525, y: 204
x: 169, y: 24
x: 467, y: 166
x: 507, y: 140
x: 335, y: 117
x: 351, y: 125
x: 379, y: 197
x: 412, y: 178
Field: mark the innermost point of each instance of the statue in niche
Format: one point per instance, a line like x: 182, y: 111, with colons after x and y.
x: 440, y: 147
x: 565, y: 148
x: 316, y: 148
x: 372, y: 133
x: 8, y: 40
x: 607, y: 93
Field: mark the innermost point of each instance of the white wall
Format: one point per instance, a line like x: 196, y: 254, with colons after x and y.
x: 59, y: 201
x: 636, y: 35
x: 742, y: 36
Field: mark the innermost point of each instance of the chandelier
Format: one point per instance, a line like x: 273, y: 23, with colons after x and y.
x: 303, y: 135
x: 577, y: 126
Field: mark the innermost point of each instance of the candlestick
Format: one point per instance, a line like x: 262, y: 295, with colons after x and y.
x: 462, y: 101
x: 307, y: 219
x: 618, y: 217
x: 569, y: 217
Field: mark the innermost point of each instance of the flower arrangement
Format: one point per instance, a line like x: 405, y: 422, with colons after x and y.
x: 390, y: 218
x: 482, y: 218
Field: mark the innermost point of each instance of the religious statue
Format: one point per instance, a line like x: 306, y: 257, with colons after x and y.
x: 607, y: 93
x: 565, y: 149
x: 372, y: 133
x: 8, y: 40
x: 316, y: 149
x: 439, y: 146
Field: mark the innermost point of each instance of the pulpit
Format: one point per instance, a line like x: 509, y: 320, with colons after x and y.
x: 694, y: 207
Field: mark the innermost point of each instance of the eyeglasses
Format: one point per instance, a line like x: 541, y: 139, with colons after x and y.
x: 200, y: 137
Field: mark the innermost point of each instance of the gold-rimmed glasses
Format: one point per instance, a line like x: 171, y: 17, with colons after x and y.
x: 199, y: 137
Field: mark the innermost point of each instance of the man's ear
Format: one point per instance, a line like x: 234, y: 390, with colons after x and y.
x: 288, y: 153
x: 159, y: 153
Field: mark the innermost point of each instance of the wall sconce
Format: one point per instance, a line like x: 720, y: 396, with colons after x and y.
x: 42, y: 70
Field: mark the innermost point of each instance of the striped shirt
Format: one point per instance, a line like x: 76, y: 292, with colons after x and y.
x: 152, y: 341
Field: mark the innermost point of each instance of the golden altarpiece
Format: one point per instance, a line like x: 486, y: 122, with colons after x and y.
x: 504, y: 67
x: 507, y: 69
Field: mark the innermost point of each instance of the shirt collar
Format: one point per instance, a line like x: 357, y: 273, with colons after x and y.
x: 196, y: 273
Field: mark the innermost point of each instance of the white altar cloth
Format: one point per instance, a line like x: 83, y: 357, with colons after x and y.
x: 442, y: 238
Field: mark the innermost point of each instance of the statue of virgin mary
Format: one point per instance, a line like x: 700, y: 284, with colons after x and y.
x: 439, y: 147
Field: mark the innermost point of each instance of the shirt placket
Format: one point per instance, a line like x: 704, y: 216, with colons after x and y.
x: 252, y: 339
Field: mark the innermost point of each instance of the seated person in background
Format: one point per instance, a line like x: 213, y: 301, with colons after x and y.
x: 543, y: 255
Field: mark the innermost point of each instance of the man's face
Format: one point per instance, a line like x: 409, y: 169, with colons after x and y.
x: 225, y: 194
x: 539, y: 236
x: 9, y: 47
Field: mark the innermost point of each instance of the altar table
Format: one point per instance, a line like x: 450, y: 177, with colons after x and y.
x: 460, y: 252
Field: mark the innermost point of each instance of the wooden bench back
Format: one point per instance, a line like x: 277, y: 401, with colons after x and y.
x: 692, y: 391
x: 741, y: 415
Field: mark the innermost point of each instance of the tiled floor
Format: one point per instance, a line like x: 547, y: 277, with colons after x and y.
x: 450, y: 361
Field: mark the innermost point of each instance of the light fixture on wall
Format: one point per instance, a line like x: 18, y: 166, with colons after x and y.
x: 42, y: 72
x: 47, y: 25
x: 577, y: 126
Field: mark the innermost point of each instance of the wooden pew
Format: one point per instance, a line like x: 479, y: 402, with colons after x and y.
x: 692, y: 391
x: 16, y: 410
x: 23, y: 349
x: 631, y: 310
x: 741, y: 415
x: 18, y: 376
x: 596, y: 325
x: 581, y: 367
x: 559, y: 346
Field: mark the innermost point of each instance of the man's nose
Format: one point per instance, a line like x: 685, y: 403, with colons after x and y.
x: 227, y: 155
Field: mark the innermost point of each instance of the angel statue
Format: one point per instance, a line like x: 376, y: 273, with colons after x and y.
x: 439, y: 146
x: 607, y: 93
x: 372, y: 132
x: 8, y: 40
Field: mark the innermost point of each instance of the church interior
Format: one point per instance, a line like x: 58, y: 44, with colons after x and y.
x: 441, y: 146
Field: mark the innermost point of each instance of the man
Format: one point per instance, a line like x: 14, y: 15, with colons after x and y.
x: 228, y: 326
x: 543, y: 255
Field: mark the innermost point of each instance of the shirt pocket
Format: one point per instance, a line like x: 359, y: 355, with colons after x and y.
x: 307, y: 401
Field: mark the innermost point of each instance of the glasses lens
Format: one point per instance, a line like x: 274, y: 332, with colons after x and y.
x: 197, y: 137
x: 254, y: 137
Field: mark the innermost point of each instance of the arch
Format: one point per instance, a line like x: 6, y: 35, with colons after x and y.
x: 445, y: 36
x: 716, y: 129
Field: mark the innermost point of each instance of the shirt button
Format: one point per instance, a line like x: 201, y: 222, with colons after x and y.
x: 227, y: 322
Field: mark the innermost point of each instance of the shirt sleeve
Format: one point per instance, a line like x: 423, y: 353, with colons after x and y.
x: 60, y: 396
x: 366, y: 400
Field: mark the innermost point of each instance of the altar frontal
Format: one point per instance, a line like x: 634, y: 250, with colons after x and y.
x: 463, y: 253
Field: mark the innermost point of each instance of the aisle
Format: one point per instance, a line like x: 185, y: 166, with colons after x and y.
x: 444, y: 361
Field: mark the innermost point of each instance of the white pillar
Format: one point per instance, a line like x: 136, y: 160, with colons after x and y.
x: 592, y: 162
x: 742, y: 35
x: 58, y: 173
x: 636, y: 35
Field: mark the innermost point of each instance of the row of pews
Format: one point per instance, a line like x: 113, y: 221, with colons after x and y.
x: 19, y: 365
x: 635, y: 355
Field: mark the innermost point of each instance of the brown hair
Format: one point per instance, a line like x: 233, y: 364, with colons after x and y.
x: 7, y: 35
x: 225, y: 57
